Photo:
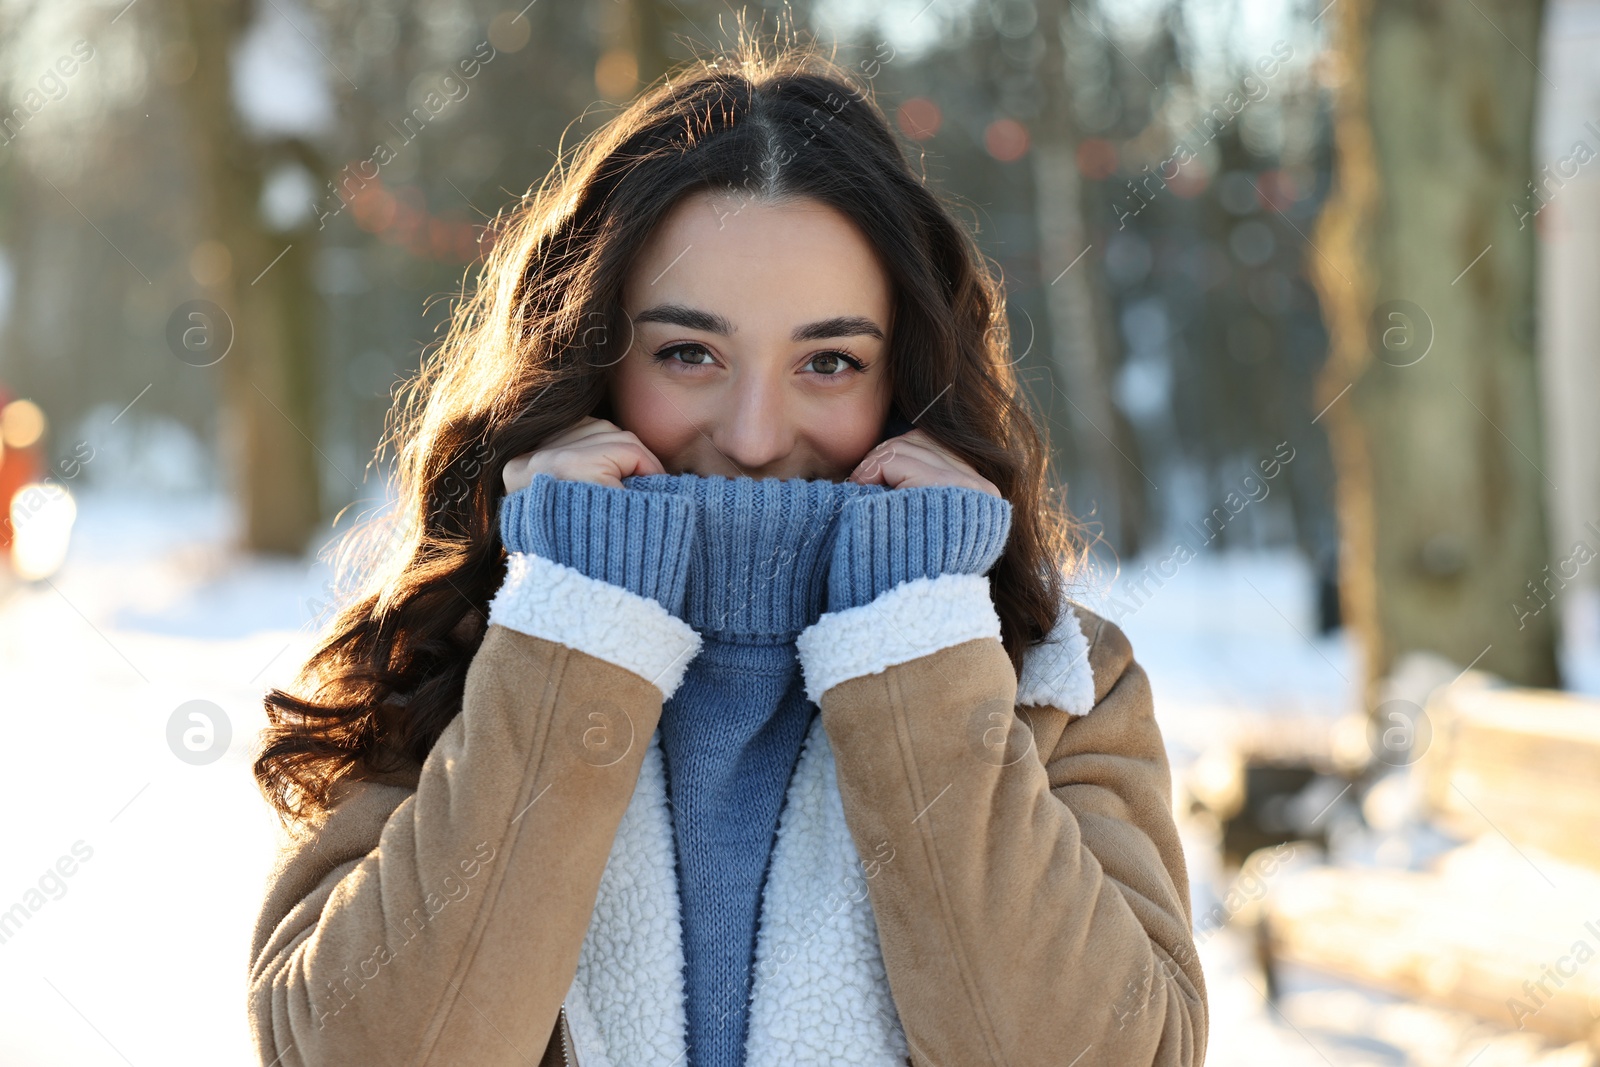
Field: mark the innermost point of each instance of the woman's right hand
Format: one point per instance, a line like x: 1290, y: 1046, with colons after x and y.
x: 594, y: 450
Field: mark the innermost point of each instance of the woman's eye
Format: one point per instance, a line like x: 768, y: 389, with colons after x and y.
x: 824, y: 364
x: 667, y: 354
x: 833, y: 364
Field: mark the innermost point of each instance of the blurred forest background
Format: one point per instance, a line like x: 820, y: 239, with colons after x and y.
x: 1289, y: 280
x: 1150, y: 177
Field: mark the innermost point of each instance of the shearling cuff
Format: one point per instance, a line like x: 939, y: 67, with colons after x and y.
x: 911, y: 620
x: 633, y: 538
x: 551, y: 600
x: 888, y: 538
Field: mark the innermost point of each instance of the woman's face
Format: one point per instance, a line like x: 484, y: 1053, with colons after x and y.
x: 749, y: 321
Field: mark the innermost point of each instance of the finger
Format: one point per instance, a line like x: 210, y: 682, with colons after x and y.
x: 924, y: 448
x: 869, y: 471
x: 645, y: 461
x: 517, y: 471
x: 619, y: 458
x: 613, y: 438
x: 651, y: 464
x: 905, y: 469
x: 584, y: 428
x: 919, y: 443
x: 914, y: 468
x: 887, y: 460
x: 587, y: 428
x: 626, y: 441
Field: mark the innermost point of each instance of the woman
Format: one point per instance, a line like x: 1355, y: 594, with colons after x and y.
x: 714, y: 699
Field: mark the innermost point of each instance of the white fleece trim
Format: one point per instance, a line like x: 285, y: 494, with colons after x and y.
x: 1056, y: 671
x: 913, y: 619
x: 588, y: 1043
x: 629, y: 989
x: 820, y: 990
x: 543, y: 598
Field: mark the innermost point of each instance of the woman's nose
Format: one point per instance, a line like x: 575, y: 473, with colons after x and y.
x: 754, y: 430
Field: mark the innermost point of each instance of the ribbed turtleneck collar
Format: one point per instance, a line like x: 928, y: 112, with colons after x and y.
x: 758, y: 565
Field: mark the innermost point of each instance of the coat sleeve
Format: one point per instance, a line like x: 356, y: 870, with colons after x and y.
x: 1037, y: 909
x: 442, y: 923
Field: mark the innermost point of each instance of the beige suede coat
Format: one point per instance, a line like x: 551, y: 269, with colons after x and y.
x: 970, y: 868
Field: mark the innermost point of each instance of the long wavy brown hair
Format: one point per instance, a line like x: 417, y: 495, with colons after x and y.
x: 527, y: 353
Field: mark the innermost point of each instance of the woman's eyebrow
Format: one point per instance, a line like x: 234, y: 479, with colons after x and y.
x: 710, y: 322
x: 839, y: 326
x: 686, y: 317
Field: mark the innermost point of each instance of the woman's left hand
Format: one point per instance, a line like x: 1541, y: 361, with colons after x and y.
x: 915, y: 459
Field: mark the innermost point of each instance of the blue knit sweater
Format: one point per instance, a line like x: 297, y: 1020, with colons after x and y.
x: 748, y: 564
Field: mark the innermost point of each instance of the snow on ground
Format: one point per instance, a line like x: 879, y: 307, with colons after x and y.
x: 1231, y: 647
x: 139, y: 955
x: 140, y: 873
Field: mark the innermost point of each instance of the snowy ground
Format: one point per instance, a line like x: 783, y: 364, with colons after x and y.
x: 139, y: 955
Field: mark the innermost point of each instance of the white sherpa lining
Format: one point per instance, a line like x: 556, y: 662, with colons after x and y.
x: 588, y: 1043
x: 626, y: 1006
x: 547, y: 599
x: 1056, y: 671
x: 913, y: 619
x: 820, y: 990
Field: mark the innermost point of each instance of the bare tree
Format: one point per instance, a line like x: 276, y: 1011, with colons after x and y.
x: 270, y: 305
x: 1083, y: 344
x: 1427, y: 284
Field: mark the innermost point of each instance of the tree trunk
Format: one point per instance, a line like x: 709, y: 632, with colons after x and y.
x: 1430, y: 393
x: 266, y: 380
x: 1073, y: 296
x: 647, y: 36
